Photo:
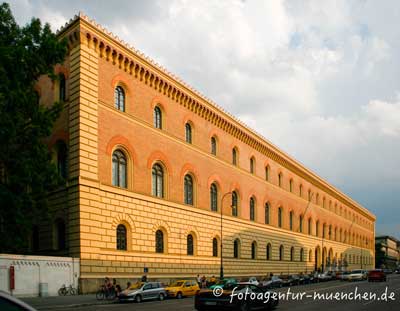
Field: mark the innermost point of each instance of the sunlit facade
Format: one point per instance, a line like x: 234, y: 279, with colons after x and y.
x: 151, y: 162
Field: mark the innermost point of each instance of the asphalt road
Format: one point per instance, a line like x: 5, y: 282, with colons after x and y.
x: 308, y: 302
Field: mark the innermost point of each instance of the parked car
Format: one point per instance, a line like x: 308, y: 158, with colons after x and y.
x: 253, y: 280
x: 325, y: 276
x: 224, y: 282
x: 272, y: 282
x: 345, y: 276
x: 207, y: 300
x: 182, y: 288
x: 376, y: 275
x: 10, y: 303
x: 143, y: 291
x: 295, y: 279
x: 388, y: 271
x: 357, y: 275
x: 306, y: 278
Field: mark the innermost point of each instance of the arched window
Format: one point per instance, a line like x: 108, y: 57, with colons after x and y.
x: 309, y: 226
x: 213, y: 146
x: 190, y: 245
x: 291, y: 220
x: 215, y: 247
x: 188, y: 133
x: 281, y: 253
x: 252, y: 164
x: 330, y: 232
x: 309, y: 195
x: 60, y: 233
x: 292, y: 254
x: 213, y: 197
x: 280, y: 179
x: 267, y: 173
x: 317, y: 199
x: 157, y: 118
x: 62, y: 88
x: 301, y: 223
x: 317, y: 228
x: 234, y: 203
x: 310, y: 255
x: 269, y: 251
x: 62, y: 159
x: 188, y: 190
x: 234, y: 156
x: 324, y: 231
x: 280, y: 217
x: 301, y: 191
x: 119, y: 95
x: 252, y: 209
x: 119, y: 169
x: 291, y: 185
x: 266, y: 213
x: 253, y: 250
x: 323, y: 202
x: 121, y: 237
x: 157, y: 174
x: 159, y: 241
x: 301, y: 254
x: 236, y: 248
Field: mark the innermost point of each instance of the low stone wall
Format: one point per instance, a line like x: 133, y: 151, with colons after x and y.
x: 38, y: 275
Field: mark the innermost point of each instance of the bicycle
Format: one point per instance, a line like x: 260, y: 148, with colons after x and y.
x: 106, y: 293
x: 70, y: 290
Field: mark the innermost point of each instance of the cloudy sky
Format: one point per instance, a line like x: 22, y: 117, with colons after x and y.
x: 320, y: 79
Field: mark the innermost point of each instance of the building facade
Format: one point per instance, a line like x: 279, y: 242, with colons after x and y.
x: 150, y: 164
x: 390, y: 257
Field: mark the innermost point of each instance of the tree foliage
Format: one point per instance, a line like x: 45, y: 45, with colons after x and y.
x: 26, y: 171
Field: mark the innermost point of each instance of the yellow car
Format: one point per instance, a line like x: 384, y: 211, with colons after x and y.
x: 183, y: 288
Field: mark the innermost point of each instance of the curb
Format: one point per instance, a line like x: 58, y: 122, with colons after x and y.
x: 87, y: 304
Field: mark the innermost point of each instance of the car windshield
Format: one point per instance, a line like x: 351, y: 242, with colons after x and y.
x: 225, y: 284
x: 177, y: 284
x: 356, y: 271
x: 136, y: 286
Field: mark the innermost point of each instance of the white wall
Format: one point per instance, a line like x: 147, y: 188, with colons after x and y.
x: 32, y: 270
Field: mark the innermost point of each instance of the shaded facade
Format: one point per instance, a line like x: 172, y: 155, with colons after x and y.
x: 150, y: 163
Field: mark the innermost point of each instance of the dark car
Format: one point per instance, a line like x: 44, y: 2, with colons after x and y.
x: 10, y: 303
x: 376, y: 275
x: 388, y: 271
x: 211, y: 300
x: 290, y: 280
x: 296, y: 280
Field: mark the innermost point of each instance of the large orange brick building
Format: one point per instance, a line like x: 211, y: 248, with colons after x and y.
x: 149, y: 164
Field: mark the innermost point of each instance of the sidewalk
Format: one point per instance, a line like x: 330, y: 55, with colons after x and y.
x: 59, y: 302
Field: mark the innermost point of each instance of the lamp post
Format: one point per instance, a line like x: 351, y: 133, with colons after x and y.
x: 221, y: 274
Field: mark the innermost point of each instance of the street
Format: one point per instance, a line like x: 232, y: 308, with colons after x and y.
x: 81, y: 303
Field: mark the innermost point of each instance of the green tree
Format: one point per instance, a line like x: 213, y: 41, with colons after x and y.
x: 26, y: 171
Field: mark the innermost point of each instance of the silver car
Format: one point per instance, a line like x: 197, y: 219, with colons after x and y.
x: 143, y: 291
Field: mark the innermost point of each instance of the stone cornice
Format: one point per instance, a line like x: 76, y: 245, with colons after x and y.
x: 83, y: 30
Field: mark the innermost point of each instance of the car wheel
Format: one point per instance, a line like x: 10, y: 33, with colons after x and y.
x: 138, y: 299
x: 179, y: 295
x: 161, y: 297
